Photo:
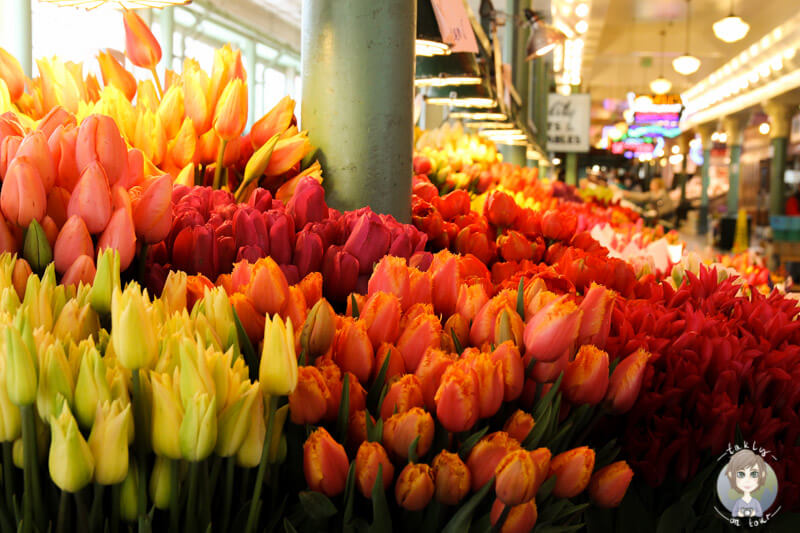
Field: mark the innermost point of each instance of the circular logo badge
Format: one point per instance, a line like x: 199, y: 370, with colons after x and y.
x: 747, y: 485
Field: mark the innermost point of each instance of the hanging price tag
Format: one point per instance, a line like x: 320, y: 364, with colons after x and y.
x: 455, y: 26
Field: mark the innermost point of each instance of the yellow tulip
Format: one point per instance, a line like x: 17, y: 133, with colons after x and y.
x: 197, y: 435
x: 109, y: 442
x: 91, y: 388
x: 278, y: 369
x: 76, y: 321
x: 71, y: 462
x: 195, y: 376
x: 161, y: 482
x: 167, y: 415
x: 129, y: 495
x: 106, y: 280
x: 235, y: 420
x: 132, y: 330
x: 56, y: 381
x: 10, y: 418
x: 21, y: 378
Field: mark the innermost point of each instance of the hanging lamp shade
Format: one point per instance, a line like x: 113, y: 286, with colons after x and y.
x: 126, y: 4
x: 731, y: 29
x: 429, y: 37
x: 469, y: 96
x: 687, y: 63
x: 544, y: 37
x: 660, y: 85
x: 455, y: 69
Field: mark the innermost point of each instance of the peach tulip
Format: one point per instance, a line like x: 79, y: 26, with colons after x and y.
x: 34, y: 147
x: 91, y: 199
x: 82, y: 270
x: 141, y: 46
x: 73, y: 241
x: 152, y: 212
x: 62, y: 144
x: 120, y: 235
x: 23, y: 197
x: 99, y: 140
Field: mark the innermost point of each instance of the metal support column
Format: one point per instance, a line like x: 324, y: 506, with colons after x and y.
x: 705, y: 134
x: 17, y: 31
x: 358, y: 99
x: 167, y: 30
x: 734, y: 127
x: 250, y: 61
x: 780, y: 121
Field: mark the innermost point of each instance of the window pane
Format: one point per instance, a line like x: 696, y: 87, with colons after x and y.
x: 274, y: 87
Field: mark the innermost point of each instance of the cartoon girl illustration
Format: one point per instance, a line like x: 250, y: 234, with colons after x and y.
x: 746, y: 473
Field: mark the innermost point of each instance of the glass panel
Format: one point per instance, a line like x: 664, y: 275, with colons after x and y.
x: 274, y: 87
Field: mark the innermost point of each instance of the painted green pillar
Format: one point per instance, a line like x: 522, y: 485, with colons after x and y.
x: 250, y: 61
x: 571, y: 159
x: 706, y: 130
x: 733, y: 179
x: 518, y: 155
x: 540, y: 92
x: 358, y: 99
x: 776, y: 180
x: 167, y: 21
x: 780, y: 122
x: 17, y: 31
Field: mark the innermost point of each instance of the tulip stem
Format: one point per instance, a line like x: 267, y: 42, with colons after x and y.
x: 8, y: 475
x: 218, y: 168
x: 139, y: 425
x: 31, y: 494
x: 115, y: 499
x: 63, y: 502
x: 191, y: 506
x: 174, y: 495
x: 498, y: 526
x: 142, y: 263
x: 158, y: 82
x: 252, y: 515
x: 230, y: 465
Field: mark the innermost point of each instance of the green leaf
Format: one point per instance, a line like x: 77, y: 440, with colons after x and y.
x: 461, y: 520
x: 560, y: 529
x: 317, y: 505
x: 693, y: 488
x: 287, y: 526
x: 529, y: 366
x: 539, y: 429
x: 344, y: 410
x: 555, y: 440
x: 354, y: 303
x: 349, y: 497
x: 456, y: 342
x: 301, y: 361
x: 381, y: 517
x: 374, y: 393
x: 521, y: 298
x: 412, y: 450
x: 613, y: 365
x: 546, y: 488
x: 247, y: 347
x: 675, y: 517
x: 471, y: 441
x: 548, y: 397
x: 571, y: 509
x: 256, y: 166
x: 632, y: 516
x: 551, y: 511
x: 433, y: 515
x: 606, y: 455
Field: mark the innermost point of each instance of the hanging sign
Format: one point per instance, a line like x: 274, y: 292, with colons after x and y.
x: 568, y: 122
x: 455, y: 26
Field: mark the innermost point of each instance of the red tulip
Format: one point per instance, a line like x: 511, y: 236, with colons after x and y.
x: 152, y: 213
x: 609, y: 484
x: 339, y: 273
x: 23, y: 196
x: 626, y: 381
x: 368, y: 242
x: 586, y: 377
x: 473, y: 239
x: 308, y: 252
x: 325, y: 463
x: 559, y: 225
x: 446, y: 280
x: 195, y: 251
x: 573, y: 470
x: 514, y: 246
x: 308, y: 202
x: 500, y: 209
x: 457, y: 398
x: 120, y: 235
x: 73, y: 241
x: 62, y: 147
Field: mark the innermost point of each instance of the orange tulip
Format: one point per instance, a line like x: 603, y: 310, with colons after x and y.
x: 276, y: 121
x: 135, y: 174
x: 552, y: 331
x: 230, y: 116
x: 8, y: 243
x: 357, y: 428
x: 287, y: 153
x: 430, y: 372
x: 391, y: 275
x: 99, y: 140
x: 252, y: 320
x: 422, y: 333
x: 401, y: 429
x: 19, y: 277
x: 11, y: 72
x: 23, y: 196
x: 521, y: 518
x: 515, y: 478
x: 403, y: 394
x: 141, y: 46
x: 508, y: 326
x: 396, y: 366
x: 457, y: 399
x: 381, y: 314
x: 519, y: 425
x: 369, y: 458
x: 485, y: 322
x: 325, y: 463
x: 50, y: 230
x: 152, y: 212
x: 267, y: 289
x: 471, y: 298
x: 413, y: 312
x: 586, y: 377
x: 445, y: 279
x: 547, y: 372
x: 414, y: 488
x: 295, y: 308
x: 120, y: 235
x: 309, y: 401
x: 91, y: 199
x: 8, y: 150
x: 115, y: 74
x: 626, y: 381
x: 513, y: 369
x: 572, y: 469
x: 456, y: 326
x: 360, y: 300
x: 227, y: 66
x: 34, y: 147
x: 62, y: 145
x: 609, y: 484
x: 73, y: 241
x: 82, y: 270
x: 311, y: 285
x: 147, y: 99
x: 541, y: 458
x: 195, y: 99
x: 490, y: 382
x: 487, y: 454
x: 352, y: 349
x: 335, y: 382
x: 420, y: 287
x: 318, y: 330
x: 451, y: 478
x: 596, y: 322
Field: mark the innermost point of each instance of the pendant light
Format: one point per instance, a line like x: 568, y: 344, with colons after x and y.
x: 544, y: 37
x: 429, y: 38
x: 731, y: 29
x: 687, y: 63
x: 661, y: 85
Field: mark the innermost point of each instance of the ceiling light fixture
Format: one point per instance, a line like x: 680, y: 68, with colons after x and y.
x: 763, y: 128
x: 661, y: 85
x: 581, y: 26
x: 582, y: 10
x: 687, y: 63
x: 544, y: 37
x: 731, y: 29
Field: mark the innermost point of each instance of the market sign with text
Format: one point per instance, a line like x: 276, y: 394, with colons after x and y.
x: 660, y: 110
x: 568, y: 122
x: 635, y: 145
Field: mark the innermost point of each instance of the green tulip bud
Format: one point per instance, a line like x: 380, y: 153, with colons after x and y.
x: 36, y: 248
x: 128, y: 495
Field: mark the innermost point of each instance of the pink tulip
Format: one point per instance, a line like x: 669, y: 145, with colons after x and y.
x: 120, y: 234
x: 91, y: 199
x: 73, y: 241
x: 23, y: 197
